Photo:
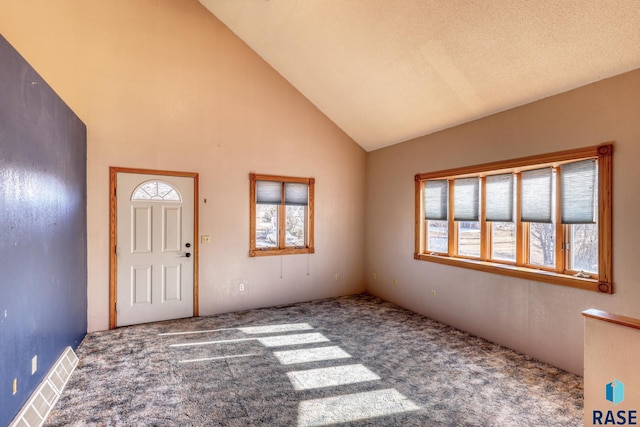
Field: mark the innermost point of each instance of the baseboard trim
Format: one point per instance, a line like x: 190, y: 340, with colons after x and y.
x: 37, y: 409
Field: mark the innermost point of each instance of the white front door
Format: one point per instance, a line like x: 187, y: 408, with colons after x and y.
x: 154, y: 249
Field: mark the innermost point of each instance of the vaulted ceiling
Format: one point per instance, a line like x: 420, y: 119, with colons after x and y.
x: 386, y: 71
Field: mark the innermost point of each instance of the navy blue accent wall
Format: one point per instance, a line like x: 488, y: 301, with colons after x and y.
x: 43, y: 229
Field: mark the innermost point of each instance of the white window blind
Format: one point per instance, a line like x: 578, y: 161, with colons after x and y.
x: 466, y: 199
x: 435, y: 199
x: 537, y: 194
x: 578, y: 193
x: 499, y: 197
x: 296, y: 194
x: 269, y: 192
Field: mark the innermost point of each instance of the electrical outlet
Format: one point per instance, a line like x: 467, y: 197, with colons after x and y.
x: 34, y: 364
x: 395, y: 282
x: 241, y: 287
x: 374, y: 276
x: 205, y: 239
x: 433, y: 293
x: 14, y: 386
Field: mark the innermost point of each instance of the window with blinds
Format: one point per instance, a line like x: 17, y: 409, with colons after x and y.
x: 281, y: 215
x: 545, y: 218
x: 499, y: 192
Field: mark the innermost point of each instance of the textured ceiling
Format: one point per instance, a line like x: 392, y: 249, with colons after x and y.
x: 386, y: 71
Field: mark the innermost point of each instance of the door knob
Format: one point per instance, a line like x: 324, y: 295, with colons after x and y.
x: 188, y: 245
x: 186, y: 255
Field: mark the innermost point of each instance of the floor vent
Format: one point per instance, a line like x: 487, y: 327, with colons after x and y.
x: 42, y: 401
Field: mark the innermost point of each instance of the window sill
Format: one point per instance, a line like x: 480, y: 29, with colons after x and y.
x: 521, y: 272
x: 276, y: 251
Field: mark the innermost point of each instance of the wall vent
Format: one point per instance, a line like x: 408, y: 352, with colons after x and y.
x: 42, y: 401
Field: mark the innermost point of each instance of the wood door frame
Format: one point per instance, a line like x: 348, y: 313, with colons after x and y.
x: 113, y: 261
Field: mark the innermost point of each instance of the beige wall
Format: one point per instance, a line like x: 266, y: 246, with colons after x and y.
x: 164, y: 85
x: 538, y: 319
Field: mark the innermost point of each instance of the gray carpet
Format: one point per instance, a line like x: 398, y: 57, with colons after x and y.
x: 347, y: 361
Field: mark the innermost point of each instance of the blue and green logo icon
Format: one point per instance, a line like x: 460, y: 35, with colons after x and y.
x: 615, y: 392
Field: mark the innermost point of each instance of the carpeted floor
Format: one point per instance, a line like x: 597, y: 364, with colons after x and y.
x: 350, y: 361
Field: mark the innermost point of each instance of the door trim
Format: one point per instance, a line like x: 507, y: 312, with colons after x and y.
x: 113, y: 261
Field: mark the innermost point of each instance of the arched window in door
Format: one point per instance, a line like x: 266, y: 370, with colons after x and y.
x: 155, y: 191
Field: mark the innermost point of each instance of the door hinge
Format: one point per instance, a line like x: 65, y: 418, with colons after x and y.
x: 116, y: 306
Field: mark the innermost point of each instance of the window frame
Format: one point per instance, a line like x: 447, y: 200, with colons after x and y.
x: 560, y: 274
x: 282, y: 248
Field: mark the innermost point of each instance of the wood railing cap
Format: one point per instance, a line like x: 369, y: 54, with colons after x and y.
x: 605, y: 316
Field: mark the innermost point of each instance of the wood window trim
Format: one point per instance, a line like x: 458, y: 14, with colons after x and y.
x: 254, y: 251
x: 604, y: 280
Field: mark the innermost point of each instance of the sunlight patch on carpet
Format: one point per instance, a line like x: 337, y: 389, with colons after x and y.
x: 333, y: 376
x: 207, y: 359
x: 271, y: 329
x: 205, y: 331
x: 267, y: 329
x: 353, y: 407
x: 192, y: 344
x: 305, y: 355
x: 295, y: 339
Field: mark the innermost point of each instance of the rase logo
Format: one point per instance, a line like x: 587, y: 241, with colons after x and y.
x: 614, y: 393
